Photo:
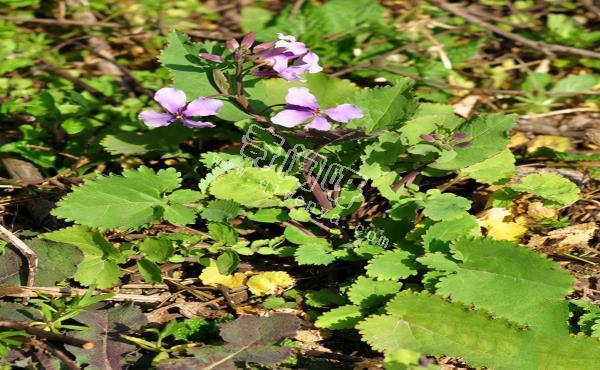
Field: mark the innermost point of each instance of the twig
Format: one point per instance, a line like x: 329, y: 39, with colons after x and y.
x: 61, y: 292
x: 30, y: 256
x: 296, y: 8
x: 560, y: 112
x: 53, y: 337
x: 539, y: 45
x: 59, y: 22
x: 70, y: 364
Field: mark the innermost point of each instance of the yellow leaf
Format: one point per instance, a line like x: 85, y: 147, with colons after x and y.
x: 269, y: 282
x: 210, y: 276
x: 558, y: 143
x: 494, y: 221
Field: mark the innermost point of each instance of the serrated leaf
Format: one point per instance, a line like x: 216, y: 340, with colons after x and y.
x: 247, y: 339
x: 253, y: 187
x: 98, y: 271
x: 367, y: 292
x: 91, y: 242
x: 119, y: 202
x: 555, y: 189
x: 440, y: 236
x: 223, y: 233
x: 343, y: 317
x: 313, y: 254
x: 495, y: 275
x: 156, y: 249
x: 444, y: 206
x: 492, y: 170
x: 429, y: 325
x: 427, y: 118
x: 391, y: 265
x: 323, y: 297
x: 489, y: 134
x: 384, y: 107
x: 220, y: 210
x: 104, y: 329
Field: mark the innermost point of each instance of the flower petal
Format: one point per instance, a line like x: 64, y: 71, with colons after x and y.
x: 302, y: 97
x: 171, y: 99
x: 291, y: 45
x: 344, y: 112
x: 155, y: 119
x: 196, y: 124
x: 290, y: 117
x: 201, y: 107
x: 319, y: 123
x: 312, y: 62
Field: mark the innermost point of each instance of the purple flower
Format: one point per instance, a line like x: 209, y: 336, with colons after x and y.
x: 302, y: 105
x: 459, y: 135
x: 464, y: 144
x: 174, y: 101
x: 290, y: 59
x: 212, y: 57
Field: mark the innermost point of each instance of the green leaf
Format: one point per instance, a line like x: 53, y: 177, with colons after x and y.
x: 489, y: 134
x: 313, y: 254
x: 253, y: 187
x: 91, y: 242
x: 156, y: 249
x: 383, y: 107
x: 149, y: 271
x: 343, y: 317
x: 323, y: 297
x: 555, y: 189
x: 511, y: 282
x: 429, y: 325
x: 56, y: 262
x: 220, y: 210
x: 223, y: 233
x: 367, y: 292
x: 444, y: 206
x: 428, y: 118
x: 163, y: 139
x: 297, y: 236
x: 179, y: 214
x: 123, y: 202
x: 391, y: 265
x: 441, y: 235
x: 498, y: 168
x: 227, y: 262
x: 576, y: 83
x: 98, y: 271
x: 269, y: 215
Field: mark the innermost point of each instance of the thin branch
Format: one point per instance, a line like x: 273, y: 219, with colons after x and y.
x: 70, y: 364
x: 59, y: 22
x: 539, y: 45
x: 62, y: 292
x: 30, y: 256
x: 53, y: 337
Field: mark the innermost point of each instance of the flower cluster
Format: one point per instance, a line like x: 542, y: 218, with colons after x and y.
x: 286, y: 58
x: 447, y: 143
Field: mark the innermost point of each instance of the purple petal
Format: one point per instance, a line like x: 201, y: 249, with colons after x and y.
x: 211, y: 57
x: 427, y: 138
x: 279, y: 62
x: 344, y: 112
x: 264, y: 46
x: 312, y: 62
x: 173, y: 100
x: 248, y: 40
x: 201, y: 107
x: 302, y: 97
x: 459, y: 135
x: 196, y: 124
x: 290, y: 117
x: 319, y: 123
x: 155, y: 119
x: 464, y: 144
x: 292, y: 74
x: 291, y: 45
x: 232, y: 45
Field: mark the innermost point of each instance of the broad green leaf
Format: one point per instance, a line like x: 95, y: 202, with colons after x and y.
x: 98, y: 271
x: 313, y: 254
x: 149, y: 271
x: 510, y: 282
x: 489, y: 134
x: 253, y: 187
x: 429, y: 325
x: 492, y: 170
x: 220, y: 210
x: 576, y: 83
x: 156, y: 249
x: 444, y: 206
x: 383, y: 107
x: 367, y: 292
x: 428, y: 118
x: 91, y: 242
x: 391, y: 265
x: 343, y: 317
x: 439, y: 236
x: 223, y: 233
x: 555, y: 189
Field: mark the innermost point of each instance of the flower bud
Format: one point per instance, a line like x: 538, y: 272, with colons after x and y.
x: 211, y: 57
x: 232, y: 45
x: 464, y: 144
x: 459, y: 135
x: 428, y: 138
x: 264, y: 46
x: 248, y: 40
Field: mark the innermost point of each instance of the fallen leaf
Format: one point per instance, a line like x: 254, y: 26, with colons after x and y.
x: 558, y: 143
x: 270, y: 282
x: 539, y: 212
x: 210, y: 276
x: 499, y: 226
x: 565, y: 240
x: 518, y: 139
